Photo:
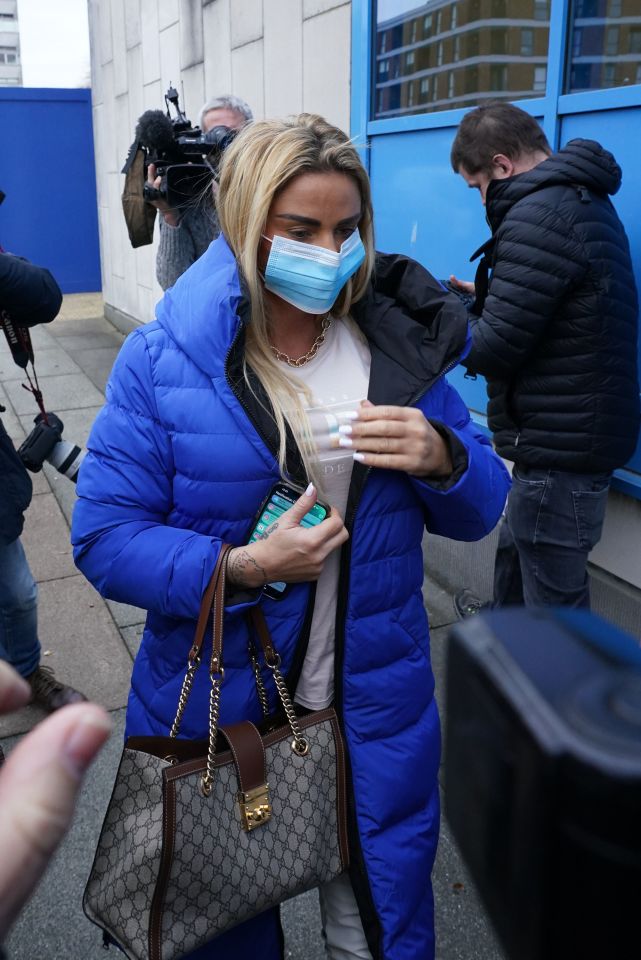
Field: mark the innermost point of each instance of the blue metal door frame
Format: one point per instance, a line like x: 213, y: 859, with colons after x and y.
x: 47, y: 171
x: 389, y: 148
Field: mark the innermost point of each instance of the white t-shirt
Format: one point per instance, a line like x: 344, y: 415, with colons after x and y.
x: 338, y: 378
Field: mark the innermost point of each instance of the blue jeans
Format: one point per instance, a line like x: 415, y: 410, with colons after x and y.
x: 19, y: 644
x: 553, y: 520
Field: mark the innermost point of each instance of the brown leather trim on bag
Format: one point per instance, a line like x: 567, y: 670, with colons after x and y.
x: 166, y: 859
x: 249, y: 754
x: 215, y: 589
x: 341, y: 793
x: 216, y: 664
x: 257, y: 618
x: 275, y: 736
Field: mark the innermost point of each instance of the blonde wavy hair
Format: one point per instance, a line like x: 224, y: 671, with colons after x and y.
x: 265, y: 157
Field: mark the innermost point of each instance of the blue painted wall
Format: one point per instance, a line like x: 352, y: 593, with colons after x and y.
x: 47, y: 171
x: 424, y: 210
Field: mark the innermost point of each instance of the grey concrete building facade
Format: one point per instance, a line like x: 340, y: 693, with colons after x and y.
x: 10, y: 66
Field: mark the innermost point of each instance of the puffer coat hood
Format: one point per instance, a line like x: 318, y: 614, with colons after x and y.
x: 581, y: 163
x: 557, y: 336
x: 179, y: 461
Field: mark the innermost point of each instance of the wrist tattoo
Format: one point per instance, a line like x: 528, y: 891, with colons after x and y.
x: 241, y: 564
x: 268, y: 532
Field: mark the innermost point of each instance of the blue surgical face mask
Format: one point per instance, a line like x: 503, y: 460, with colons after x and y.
x: 310, y: 277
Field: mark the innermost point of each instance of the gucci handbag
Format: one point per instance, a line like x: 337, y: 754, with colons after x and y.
x: 200, y: 835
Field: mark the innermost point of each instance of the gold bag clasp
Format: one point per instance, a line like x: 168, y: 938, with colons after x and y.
x: 255, y: 808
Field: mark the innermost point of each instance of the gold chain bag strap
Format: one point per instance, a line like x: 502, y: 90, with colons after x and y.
x: 199, y: 837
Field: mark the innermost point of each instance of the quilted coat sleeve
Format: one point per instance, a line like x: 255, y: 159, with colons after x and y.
x: 538, y: 259
x: 121, y: 540
x: 28, y: 293
x: 469, y: 508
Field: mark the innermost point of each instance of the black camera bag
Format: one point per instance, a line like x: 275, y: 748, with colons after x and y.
x: 543, y: 779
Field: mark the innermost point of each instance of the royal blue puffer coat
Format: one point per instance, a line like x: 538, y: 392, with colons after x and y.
x: 180, y: 459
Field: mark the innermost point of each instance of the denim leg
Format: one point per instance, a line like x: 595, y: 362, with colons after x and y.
x: 508, y: 583
x: 555, y: 519
x: 19, y: 644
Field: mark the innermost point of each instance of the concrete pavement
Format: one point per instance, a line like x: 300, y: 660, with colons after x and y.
x: 91, y: 644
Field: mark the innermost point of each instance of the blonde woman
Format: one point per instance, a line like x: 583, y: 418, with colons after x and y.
x: 276, y: 357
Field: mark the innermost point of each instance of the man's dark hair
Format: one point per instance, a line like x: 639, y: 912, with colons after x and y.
x: 495, y: 127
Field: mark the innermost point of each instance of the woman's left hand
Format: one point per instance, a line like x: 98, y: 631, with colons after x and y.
x: 396, y: 438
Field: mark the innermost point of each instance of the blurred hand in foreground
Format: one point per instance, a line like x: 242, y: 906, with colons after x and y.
x: 39, y: 785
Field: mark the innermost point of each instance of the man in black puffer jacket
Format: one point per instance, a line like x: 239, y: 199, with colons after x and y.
x: 28, y: 295
x: 555, y: 334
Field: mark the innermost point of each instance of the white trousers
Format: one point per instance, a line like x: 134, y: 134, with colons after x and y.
x: 342, y: 927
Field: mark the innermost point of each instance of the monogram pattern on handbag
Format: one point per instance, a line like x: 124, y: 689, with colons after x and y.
x: 120, y: 889
x: 174, y: 867
x: 222, y: 875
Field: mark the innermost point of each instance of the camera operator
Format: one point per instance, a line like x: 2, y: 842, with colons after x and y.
x: 186, y: 234
x: 28, y: 295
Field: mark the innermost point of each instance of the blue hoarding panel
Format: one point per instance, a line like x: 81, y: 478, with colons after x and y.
x: 47, y: 171
x: 427, y: 212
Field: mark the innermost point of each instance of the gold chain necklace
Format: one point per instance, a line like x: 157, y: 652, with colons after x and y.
x: 311, y: 353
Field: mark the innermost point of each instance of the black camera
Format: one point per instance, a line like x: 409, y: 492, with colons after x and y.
x: 186, y: 159
x: 543, y: 779
x: 45, y: 443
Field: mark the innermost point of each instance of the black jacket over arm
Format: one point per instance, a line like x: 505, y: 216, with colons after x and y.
x: 29, y: 295
x: 557, y: 338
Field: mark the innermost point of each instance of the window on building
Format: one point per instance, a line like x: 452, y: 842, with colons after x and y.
x: 540, y: 79
x: 8, y: 54
x: 541, y: 9
x: 471, y: 79
x: 577, y: 40
x: 425, y: 88
x: 527, y: 42
x: 496, y: 35
x: 587, y: 8
x: 450, y: 84
x: 581, y: 77
x: 602, y: 54
x: 498, y: 77
x: 498, y: 40
x: 612, y: 41
x: 614, y: 8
